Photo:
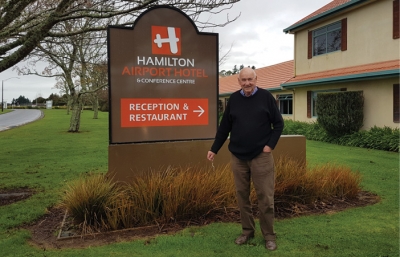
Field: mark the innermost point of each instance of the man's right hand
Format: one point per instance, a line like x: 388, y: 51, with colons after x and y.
x: 210, y: 156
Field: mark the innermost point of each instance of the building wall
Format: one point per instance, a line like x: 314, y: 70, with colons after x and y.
x: 378, y: 101
x: 369, y: 40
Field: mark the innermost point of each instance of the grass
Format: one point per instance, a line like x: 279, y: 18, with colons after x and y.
x: 43, y: 156
x: 5, y: 111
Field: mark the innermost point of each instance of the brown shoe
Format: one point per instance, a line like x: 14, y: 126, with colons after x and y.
x: 270, y: 245
x: 242, y: 239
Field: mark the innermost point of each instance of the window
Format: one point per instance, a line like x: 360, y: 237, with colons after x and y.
x: 313, y: 104
x: 285, y: 103
x: 327, y: 39
x: 312, y: 100
x: 330, y: 38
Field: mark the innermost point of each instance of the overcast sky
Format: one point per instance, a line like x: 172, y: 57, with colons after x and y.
x: 256, y: 38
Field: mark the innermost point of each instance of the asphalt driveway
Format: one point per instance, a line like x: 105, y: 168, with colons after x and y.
x: 19, y: 117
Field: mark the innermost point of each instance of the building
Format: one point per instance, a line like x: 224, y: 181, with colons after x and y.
x: 347, y: 45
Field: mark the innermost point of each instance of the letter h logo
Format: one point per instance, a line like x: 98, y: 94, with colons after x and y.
x: 166, y: 40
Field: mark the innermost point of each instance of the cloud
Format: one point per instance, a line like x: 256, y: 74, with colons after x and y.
x: 30, y: 86
x: 257, y: 37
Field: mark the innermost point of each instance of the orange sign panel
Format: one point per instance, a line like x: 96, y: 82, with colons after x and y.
x: 147, y: 112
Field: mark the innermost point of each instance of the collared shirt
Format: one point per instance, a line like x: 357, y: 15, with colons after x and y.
x: 242, y: 92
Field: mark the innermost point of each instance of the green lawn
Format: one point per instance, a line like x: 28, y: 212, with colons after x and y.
x: 43, y: 156
x: 5, y: 111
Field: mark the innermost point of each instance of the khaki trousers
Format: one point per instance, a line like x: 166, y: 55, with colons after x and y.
x: 261, y: 171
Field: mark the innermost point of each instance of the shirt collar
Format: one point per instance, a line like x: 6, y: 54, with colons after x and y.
x: 255, y: 90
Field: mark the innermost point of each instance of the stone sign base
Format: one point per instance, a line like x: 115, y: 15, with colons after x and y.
x: 127, y: 161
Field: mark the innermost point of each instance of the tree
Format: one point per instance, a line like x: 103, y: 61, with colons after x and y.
x: 21, y: 100
x: 75, y: 41
x: 98, y: 78
x: 222, y: 73
x: 26, y: 23
x: 103, y: 100
x: 223, y: 55
x: 57, y: 100
x: 39, y: 100
x: 235, y: 70
x: 75, y: 62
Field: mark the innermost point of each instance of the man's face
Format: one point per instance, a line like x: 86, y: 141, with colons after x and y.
x: 247, y: 81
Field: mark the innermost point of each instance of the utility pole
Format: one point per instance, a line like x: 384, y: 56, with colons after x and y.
x: 2, y: 92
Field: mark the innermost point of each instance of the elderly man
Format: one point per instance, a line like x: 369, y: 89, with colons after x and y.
x: 255, y: 125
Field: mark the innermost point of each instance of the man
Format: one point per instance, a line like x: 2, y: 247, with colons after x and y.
x: 255, y: 125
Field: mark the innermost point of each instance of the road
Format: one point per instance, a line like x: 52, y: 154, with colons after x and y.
x: 18, y: 117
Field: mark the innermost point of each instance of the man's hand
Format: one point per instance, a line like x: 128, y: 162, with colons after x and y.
x: 267, y: 149
x: 210, y: 156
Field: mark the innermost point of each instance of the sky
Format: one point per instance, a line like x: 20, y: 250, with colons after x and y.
x: 255, y: 39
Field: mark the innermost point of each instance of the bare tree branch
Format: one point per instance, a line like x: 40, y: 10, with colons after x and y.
x: 27, y: 23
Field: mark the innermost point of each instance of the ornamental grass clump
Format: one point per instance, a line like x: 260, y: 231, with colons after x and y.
x: 177, y: 194
x: 299, y: 184
x: 87, y: 201
x: 191, y: 193
x: 329, y: 181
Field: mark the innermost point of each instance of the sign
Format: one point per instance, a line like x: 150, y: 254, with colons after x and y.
x: 163, y: 79
x: 49, y: 104
x: 163, y: 112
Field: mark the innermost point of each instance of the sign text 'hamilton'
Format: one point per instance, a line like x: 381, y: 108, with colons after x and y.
x: 170, y: 67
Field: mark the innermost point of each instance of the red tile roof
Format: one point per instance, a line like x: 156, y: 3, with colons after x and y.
x: 275, y: 75
x: 267, y: 77
x: 325, y: 8
x: 360, y: 69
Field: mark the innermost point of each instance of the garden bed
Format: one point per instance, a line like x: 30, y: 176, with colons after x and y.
x: 53, y: 230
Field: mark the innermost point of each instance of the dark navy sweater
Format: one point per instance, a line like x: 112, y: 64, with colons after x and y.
x: 252, y: 122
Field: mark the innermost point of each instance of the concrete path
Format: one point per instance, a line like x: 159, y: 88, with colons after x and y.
x: 19, y: 117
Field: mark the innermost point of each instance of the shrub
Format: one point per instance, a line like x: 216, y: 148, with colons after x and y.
x: 385, y: 138
x: 340, y: 113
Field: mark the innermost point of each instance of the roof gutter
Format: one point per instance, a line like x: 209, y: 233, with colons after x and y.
x: 274, y: 89
x: 332, y: 11
x: 347, y: 78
